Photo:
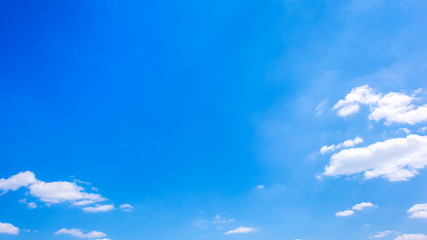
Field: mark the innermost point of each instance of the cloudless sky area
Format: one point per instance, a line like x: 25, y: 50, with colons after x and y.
x: 205, y: 119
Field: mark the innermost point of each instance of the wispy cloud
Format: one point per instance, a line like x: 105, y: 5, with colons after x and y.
x: 99, y: 208
x: 241, y: 230
x: 345, y: 144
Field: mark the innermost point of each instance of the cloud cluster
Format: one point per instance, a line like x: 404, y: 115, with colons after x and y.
x: 418, y: 211
x: 356, y: 207
x: 345, y: 144
x: 393, y: 107
x: 241, y: 230
x: 396, y: 159
x: 7, y: 228
x: 74, y: 232
x: 53, y: 192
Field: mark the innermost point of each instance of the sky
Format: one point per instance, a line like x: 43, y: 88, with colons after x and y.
x: 221, y: 120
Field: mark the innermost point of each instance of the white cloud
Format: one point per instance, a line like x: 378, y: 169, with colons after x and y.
x: 7, y: 228
x: 57, y: 192
x: 260, y: 187
x: 418, y: 211
x: 99, y: 208
x: 347, y: 143
x: 126, y: 207
x: 396, y: 159
x: 17, y: 181
x: 241, y: 230
x: 30, y: 205
x: 54, y: 192
x: 344, y: 213
x: 417, y: 236
x: 356, y: 207
x: 74, y: 232
x: 393, y: 107
x: 362, y: 205
x: 381, y: 234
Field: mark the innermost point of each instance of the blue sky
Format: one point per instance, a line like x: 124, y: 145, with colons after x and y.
x: 206, y: 119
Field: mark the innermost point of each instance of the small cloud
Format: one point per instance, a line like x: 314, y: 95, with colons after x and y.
x: 417, y: 236
x: 260, y: 187
x: 7, y: 228
x: 381, y: 234
x: 344, y: 213
x: 362, y: 205
x: 126, y: 207
x: 30, y: 205
x: 74, y: 232
x: 356, y: 207
x: 405, y: 130
x: 422, y: 130
x: 418, y: 211
x: 99, y: 208
x: 219, y: 219
x: 345, y: 144
x: 241, y: 230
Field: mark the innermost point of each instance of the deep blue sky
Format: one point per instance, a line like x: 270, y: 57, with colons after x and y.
x: 182, y: 108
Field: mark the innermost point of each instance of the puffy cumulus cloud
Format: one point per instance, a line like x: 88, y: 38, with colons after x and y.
x: 417, y: 236
x: 54, y: 192
x: 22, y: 179
x: 241, y: 230
x: 356, y: 207
x: 126, y: 207
x: 344, y: 213
x: 7, y: 228
x: 99, y: 208
x: 57, y: 192
x: 74, y: 232
x: 418, y: 211
x: 362, y: 205
x: 395, y: 159
x: 381, y: 234
x: 347, y: 143
x: 393, y: 107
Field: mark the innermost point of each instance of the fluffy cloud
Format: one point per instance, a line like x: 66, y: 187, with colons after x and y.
x: 418, y: 211
x: 362, y: 205
x: 99, y: 208
x: 74, y: 232
x: 344, y: 213
x: 356, y: 207
x: 241, y: 230
x: 17, y: 181
x: 396, y: 159
x: 54, y: 192
x: 348, y: 143
x: 393, y: 107
x: 417, y: 236
x: 57, y: 192
x: 7, y: 228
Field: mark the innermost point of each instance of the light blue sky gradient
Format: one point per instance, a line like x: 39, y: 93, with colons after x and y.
x: 183, y: 108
